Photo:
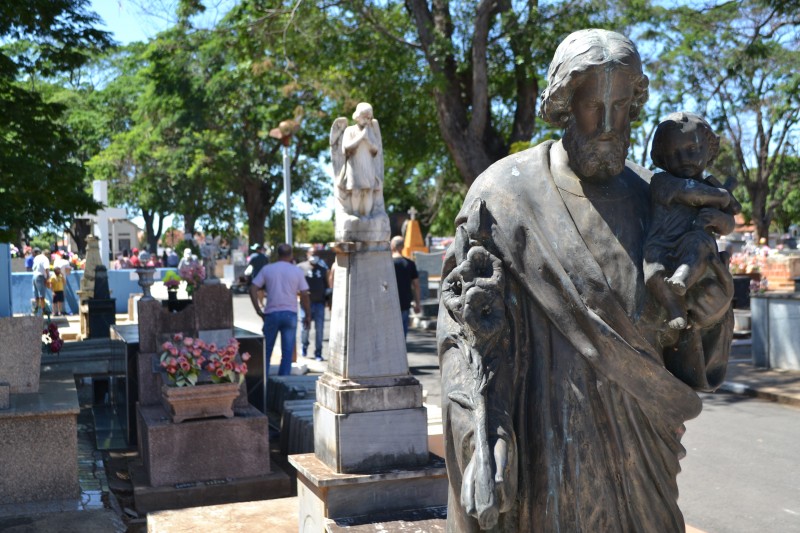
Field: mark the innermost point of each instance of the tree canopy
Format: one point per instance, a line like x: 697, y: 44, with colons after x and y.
x: 42, y: 183
x: 180, y: 124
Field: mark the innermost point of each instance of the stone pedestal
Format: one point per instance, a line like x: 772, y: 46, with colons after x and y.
x: 325, y: 495
x: 369, y: 410
x: 204, y: 449
x: 39, y: 444
x: 370, y: 428
x: 21, y: 352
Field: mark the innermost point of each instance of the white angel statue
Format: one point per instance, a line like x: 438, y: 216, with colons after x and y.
x: 357, y: 156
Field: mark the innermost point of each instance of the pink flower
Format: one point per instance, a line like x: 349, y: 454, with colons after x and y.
x: 212, y: 347
x: 173, y: 351
x: 167, y: 346
x: 188, y: 341
x: 186, y: 366
x: 201, y: 344
x: 201, y: 360
x: 197, y: 352
x: 246, y: 356
x: 228, y: 365
x: 244, y: 368
x: 171, y: 370
x: 182, y: 359
x: 177, y: 337
x: 220, y: 372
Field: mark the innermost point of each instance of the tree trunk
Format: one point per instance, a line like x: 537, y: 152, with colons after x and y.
x: 153, y: 234
x: 188, y: 226
x: 258, y: 204
x: 760, y: 216
x: 462, y: 101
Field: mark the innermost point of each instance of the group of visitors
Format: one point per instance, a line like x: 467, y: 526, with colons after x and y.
x: 281, y: 284
x: 47, y: 276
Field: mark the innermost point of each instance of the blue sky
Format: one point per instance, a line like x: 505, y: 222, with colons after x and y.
x: 125, y: 21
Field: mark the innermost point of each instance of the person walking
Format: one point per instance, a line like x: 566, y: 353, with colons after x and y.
x: 282, y: 282
x: 41, y: 273
x: 316, y: 273
x: 407, y: 281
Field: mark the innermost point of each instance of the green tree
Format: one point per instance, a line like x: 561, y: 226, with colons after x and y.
x: 738, y: 63
x: 454, y: 85
x: 785, y: 194
x: 41, y: 180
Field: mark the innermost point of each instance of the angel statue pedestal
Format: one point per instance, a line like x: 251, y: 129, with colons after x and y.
x: 370, y: 427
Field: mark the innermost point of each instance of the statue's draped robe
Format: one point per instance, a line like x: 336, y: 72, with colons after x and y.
x: 361, y: 169
x: 596, y: 416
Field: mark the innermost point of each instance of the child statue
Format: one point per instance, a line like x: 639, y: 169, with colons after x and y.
x: 679, y: 249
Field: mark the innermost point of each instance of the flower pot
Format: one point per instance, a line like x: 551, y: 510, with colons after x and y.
x: 200, y: 401
x: 172, y: 296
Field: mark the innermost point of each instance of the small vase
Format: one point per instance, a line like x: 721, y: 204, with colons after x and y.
x: 146, y: 281
x: 200, y: 401
x: 172, y: 296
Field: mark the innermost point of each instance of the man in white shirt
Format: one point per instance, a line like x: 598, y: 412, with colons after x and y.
x: 41, y: 272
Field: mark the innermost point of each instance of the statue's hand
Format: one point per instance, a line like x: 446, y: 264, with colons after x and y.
x: 489, y: 485
x: 714, y: 220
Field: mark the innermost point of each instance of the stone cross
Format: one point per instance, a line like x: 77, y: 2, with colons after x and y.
x: 103, y: 217
x: 413, y: 213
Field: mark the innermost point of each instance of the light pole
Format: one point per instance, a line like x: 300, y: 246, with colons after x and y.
x: 284, y: 133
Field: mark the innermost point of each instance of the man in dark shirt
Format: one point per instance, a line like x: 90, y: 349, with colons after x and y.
x: 317, y: 278
x: 257, y: 260
x: 407, y: 281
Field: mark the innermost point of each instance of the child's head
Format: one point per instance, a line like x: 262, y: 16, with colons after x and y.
x: 57, y: 271
x: 684, y: 145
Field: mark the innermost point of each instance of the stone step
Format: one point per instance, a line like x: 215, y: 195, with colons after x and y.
x: 283, y: 388
x: 430, y: 520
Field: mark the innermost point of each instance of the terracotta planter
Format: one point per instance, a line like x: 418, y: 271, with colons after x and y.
x: 201, y: 401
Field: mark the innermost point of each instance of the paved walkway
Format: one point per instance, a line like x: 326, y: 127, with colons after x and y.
x: 781, y: 386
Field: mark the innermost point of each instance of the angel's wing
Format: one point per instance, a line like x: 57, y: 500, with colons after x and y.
x: 337, y: 154
x: 376, y: 128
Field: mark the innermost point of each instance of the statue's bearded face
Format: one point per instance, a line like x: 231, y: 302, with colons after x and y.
x: 597, y: 136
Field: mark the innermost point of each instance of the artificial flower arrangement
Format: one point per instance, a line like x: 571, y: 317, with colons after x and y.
x: 193, y: 274
x: 184, y: 358
x: 51, y: 338
x: 76, y: 262
x: 171, y: 280
x: 749, y: 261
